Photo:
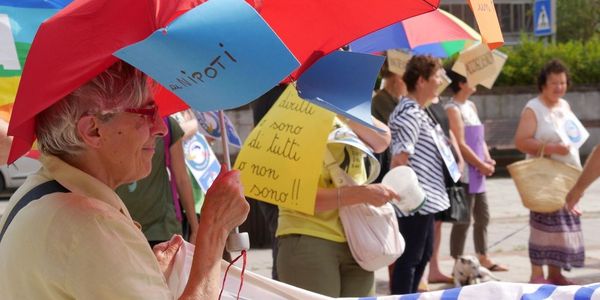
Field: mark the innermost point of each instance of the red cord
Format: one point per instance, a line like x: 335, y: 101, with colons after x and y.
x: 243, y: 254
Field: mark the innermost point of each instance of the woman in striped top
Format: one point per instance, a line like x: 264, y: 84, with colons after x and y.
x: 413, y: 145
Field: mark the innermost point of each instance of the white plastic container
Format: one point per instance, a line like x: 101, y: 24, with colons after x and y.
x: 403, y: 180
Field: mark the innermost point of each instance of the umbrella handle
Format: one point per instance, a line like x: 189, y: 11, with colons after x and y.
x: 236, y: 241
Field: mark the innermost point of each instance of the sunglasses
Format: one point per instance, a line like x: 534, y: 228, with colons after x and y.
x: 150, y: 112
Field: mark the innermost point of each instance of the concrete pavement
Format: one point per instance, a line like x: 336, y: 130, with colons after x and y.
x: 508, y: 228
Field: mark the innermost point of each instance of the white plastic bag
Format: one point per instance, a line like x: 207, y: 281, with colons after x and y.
x: 372, y: 234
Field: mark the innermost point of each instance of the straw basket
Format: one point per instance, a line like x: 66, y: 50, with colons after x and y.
x: 543, y: 183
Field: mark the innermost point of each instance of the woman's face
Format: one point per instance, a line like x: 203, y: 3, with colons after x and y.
x: 555, y: 87
x: 431, y: 85
x: 129, y: 139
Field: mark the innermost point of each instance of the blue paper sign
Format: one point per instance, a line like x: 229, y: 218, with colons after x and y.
x: 209, y: 125
x: 201, y: 161
x: 542, y: 18
x: 219, y: 55
x: 342, y: 82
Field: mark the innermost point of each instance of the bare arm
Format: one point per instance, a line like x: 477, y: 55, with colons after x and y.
x: 457, y: 127
x: 591, y: 172
x: 378, y: 141
x: 224, y: 208
x: 525, y: 141
x: 461, y: 160
x: 184, y: 186
x: 374, y: 194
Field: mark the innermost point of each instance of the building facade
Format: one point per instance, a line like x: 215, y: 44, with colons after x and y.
x: 514, y: 16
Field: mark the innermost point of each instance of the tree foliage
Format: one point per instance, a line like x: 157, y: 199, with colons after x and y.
x: 577, y: 19
x: 527, y: 58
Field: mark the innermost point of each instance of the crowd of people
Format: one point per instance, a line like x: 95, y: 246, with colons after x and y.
x: 99, y: 218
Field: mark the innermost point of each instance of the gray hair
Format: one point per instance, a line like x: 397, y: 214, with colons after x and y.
x: 120, y: 86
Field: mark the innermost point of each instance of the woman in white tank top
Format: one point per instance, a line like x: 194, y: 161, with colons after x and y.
x: 555, y: 238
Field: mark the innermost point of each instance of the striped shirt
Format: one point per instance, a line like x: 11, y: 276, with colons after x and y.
x: 412, y: 131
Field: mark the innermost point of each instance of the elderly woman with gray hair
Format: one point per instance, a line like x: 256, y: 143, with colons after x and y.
x: 67, y: 235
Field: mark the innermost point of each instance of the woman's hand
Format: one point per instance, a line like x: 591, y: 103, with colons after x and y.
x: 486, y: 169
x: 557, y: 148
x: 225, y: 205
x: 378, y: 194
x: 573, y: 198
x: 165, y: 253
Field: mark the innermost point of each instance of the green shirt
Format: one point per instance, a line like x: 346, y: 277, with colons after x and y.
x: 149, y: 200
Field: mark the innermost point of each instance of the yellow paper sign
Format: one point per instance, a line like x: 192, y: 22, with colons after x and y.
x: 487, y: 21
x: 282, y: 158
x: 397, y: 61
x: 479, y: 65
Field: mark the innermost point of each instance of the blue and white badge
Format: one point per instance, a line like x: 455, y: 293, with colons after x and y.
x: 572, y: 132
x: 443, y: 146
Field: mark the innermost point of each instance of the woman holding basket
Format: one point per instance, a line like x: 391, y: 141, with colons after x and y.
x: 555, y: 238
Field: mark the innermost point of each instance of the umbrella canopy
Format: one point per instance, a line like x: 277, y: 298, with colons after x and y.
x: 450, y: 35
x: 78, y: 43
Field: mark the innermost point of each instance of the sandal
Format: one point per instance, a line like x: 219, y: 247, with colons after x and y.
x: 497, y: 268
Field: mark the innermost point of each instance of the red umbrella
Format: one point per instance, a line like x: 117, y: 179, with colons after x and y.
x: 77, y: 43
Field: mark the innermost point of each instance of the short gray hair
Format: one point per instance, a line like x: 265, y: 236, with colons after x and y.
x: 120, y: 86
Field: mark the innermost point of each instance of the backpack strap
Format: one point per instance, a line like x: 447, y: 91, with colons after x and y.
x: 37, y: 192
x: 172, y: 183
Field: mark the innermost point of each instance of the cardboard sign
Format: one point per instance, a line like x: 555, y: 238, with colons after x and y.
x: 487, y: 21
x: 201, y: 161
x: 218, y: 55
x: 480, y: 65
x: 397, y: 60
x: 445, y: 83
x: 282, y: 158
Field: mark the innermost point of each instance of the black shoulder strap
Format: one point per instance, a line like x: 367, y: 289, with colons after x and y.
x: 36, y: 193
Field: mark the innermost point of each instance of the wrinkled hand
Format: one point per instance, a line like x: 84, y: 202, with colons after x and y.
x: 573, y: 198
x: 379, y: 194
x: 559, y: 149
x: 225, y: 205
x: 165, y: 253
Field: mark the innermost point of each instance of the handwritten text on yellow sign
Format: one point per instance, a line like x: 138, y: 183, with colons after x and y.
x: 281, y: 159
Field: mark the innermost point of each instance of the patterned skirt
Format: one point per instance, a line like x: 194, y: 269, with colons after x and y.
x: 556, y: 239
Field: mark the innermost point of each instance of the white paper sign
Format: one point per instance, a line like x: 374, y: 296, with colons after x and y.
x: 572, y: 132
x: 443, y: 146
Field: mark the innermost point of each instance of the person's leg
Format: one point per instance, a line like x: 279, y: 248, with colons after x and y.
x: 481, y: 216
x: 427, y: 250
x: 458, y: 235
x: 355, y: 281
x: 435, y: 275
x: 537, y: 274
x: 414, y: 230
x: 555, y: 276
x: 309, y: 263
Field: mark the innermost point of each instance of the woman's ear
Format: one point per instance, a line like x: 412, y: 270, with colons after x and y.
x: 87, y: 128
